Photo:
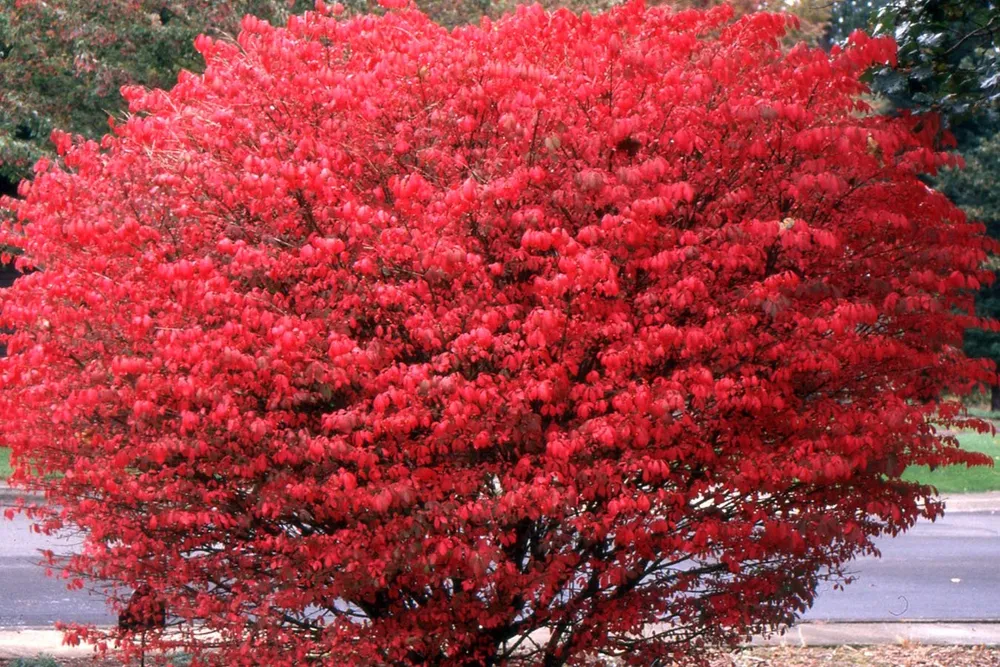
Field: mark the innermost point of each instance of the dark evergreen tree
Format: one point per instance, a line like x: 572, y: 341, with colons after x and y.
x: 949, y: 64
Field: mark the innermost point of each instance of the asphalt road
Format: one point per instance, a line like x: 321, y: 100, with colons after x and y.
x: 948, y: 570
x: 29, y: 598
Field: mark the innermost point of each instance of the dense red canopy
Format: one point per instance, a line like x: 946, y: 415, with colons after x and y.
x: 394, y: 345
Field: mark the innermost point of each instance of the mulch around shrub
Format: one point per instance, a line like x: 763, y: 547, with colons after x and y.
x: 864, y: 656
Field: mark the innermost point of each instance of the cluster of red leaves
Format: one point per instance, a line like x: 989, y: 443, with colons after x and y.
x: 380, y: 344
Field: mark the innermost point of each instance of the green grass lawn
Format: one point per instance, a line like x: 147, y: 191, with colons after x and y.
x: 959, y: 479
x: 4, y: 464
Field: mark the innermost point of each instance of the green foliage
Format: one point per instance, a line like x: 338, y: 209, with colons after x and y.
x: 451, y: 13
x: 949, y: 58
x: 64, y: 61
x: 974, y: 188
x: 846, y: 16
x: 39, y: 661
x: 813, y: 15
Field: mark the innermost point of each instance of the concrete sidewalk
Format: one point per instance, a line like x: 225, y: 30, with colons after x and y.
x: 972, y: 502
x: 976, y: 633
x: 28, y: 643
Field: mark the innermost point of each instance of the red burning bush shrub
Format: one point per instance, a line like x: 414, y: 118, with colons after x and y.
x: 380, y: 344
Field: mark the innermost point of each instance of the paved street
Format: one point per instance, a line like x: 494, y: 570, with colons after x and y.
x: 28, y: 598
x: 949, y: 570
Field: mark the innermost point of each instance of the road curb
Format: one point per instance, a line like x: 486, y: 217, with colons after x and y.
x: 985, y: 633
x: 972, y: 502
x: 10, y: 495
x: 30, y: 642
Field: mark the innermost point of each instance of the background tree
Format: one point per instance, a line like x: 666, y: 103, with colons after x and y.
x: 974, y: 188
x: 948, y: 59
x: 813, y: 16
x: 62, y: 62
x: 949, y: 65
x: 452, y: 13
x: 846, y: 16
x: 506, y: 343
